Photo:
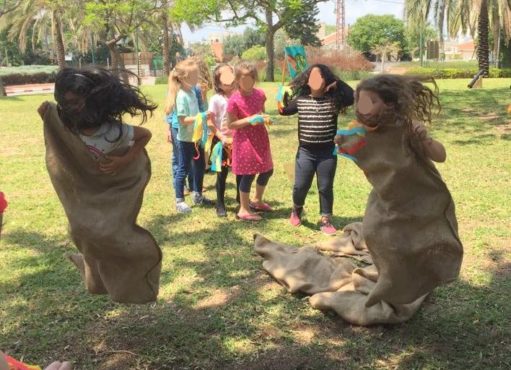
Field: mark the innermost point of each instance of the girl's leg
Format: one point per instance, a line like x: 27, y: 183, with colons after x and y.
x: 198, y: 169
x: 175, y: 154
x: 262, y: 181
x: 325, y: 178
x: 184, y: 167
x: 221, y: 179
x: 305, y: 167
x: 245, y: 212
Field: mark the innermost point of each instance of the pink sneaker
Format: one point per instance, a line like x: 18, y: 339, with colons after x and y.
x: 327, y: 228
x: 295, y: 219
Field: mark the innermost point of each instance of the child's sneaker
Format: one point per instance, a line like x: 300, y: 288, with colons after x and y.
x: 295, y: 218
x: 220, y: 210
x: 326, y: 227
x: 182, y: 207
x: 200, y: 200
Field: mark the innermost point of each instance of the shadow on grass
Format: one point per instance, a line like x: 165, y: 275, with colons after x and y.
x: 225, y: 320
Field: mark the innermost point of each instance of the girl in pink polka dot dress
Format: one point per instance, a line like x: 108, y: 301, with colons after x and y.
x: 251, y: 153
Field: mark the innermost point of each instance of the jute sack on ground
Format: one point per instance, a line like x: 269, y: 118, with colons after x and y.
x: 120, y: 258
x: 409, y: 229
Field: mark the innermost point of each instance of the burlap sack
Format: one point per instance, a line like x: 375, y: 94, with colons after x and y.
x: 121, y: 258
x: 409, y: 229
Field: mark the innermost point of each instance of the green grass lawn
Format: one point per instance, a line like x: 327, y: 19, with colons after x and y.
x: 217, y: 308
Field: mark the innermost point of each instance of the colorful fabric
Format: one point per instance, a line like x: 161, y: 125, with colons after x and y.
x: 3, y: 203
x: 296, y: 59
x: 251, y: 153
x: 18, y: 365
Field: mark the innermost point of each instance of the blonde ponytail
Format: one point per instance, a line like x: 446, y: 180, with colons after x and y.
x: 179, y: 72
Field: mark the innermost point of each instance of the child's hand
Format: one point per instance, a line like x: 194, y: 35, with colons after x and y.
x: 112, y: 164
x: 332, y: 86
x: 43, y: 108
x: 339, y: 139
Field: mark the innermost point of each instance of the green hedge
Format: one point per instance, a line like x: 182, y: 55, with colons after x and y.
x: 449, y: 73
x: 33, y: 78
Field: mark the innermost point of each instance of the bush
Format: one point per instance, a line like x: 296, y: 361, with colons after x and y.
x: 450, y: 73
x: 33, y: 78
x: 255, y: 53
x: 162, y: 80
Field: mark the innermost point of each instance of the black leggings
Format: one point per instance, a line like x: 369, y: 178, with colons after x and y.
x: 319, y: 162
x: 245, y: 181
x: 221, y: 179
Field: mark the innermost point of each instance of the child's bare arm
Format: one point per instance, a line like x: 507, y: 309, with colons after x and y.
x: 190, y: 120
x: 43, y: 108
x: 141, y: 137
x: 433, y: 149
x: 234, y: 123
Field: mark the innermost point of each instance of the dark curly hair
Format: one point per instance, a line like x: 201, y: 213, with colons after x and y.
x: 409, y: 100
x: 106, y: 98
x: 300, y: 85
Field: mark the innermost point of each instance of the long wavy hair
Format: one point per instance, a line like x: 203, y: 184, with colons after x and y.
x: 178, y: 73
x: 105, y: 98
x: 300, y: 85
x: 409, y: 100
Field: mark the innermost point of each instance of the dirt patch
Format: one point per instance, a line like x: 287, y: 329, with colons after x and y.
x: 219, y: 297
x: 489, y: 117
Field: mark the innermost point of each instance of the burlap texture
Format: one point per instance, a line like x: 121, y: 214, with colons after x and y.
x: 121, y: 258
x: 409, y: 229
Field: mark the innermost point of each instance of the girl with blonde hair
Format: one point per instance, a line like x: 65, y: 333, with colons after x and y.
x: 182, y: 107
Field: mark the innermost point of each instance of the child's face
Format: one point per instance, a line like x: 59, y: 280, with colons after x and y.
x: 316, y: 81
x: 369, y: 105
x: 226, y: 80
x: 191, y: 79
x: 246, y: 81
x: 72, y: 102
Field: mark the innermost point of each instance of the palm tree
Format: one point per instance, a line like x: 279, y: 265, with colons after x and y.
x: 483, y: 17
x: 44, y: 18
x: 475, y: 16
x: 417, y: 13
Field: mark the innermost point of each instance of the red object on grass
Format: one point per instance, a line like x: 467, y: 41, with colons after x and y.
x: 3, y: 203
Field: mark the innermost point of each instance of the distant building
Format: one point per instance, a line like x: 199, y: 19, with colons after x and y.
x: 459, y: 49
x: 329, y: 41
x: 217, y: 47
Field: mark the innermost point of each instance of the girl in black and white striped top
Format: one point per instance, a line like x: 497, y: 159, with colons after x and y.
x: 318, y: 96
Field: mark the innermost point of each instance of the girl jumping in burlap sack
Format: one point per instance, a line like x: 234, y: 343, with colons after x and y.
x: 99, y: 168
x: 409, y: 227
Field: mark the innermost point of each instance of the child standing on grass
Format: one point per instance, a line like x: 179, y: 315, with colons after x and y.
x: 173, y: 122
x: 224, y: 84
x: 182, y: 98
x: 251, y: 153
x: 318, y: 96
x: 99, y: 168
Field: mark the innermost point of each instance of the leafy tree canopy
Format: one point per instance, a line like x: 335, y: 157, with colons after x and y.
x: 371, y: 31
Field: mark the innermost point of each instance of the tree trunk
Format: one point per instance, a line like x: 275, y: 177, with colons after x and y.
x: 117, y: 65
x: 270, y: 47
x: 441, y: 44
x: 61, y: 53
x: 483, y: 50
x: 166, y: 43
x: 2, y: 88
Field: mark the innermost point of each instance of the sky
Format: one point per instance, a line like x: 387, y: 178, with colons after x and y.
x: 354, y: 9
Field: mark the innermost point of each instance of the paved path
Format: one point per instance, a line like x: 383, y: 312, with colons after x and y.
x: 29, y: 89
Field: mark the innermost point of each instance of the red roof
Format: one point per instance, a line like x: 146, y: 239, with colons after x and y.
x: 466, y: 46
